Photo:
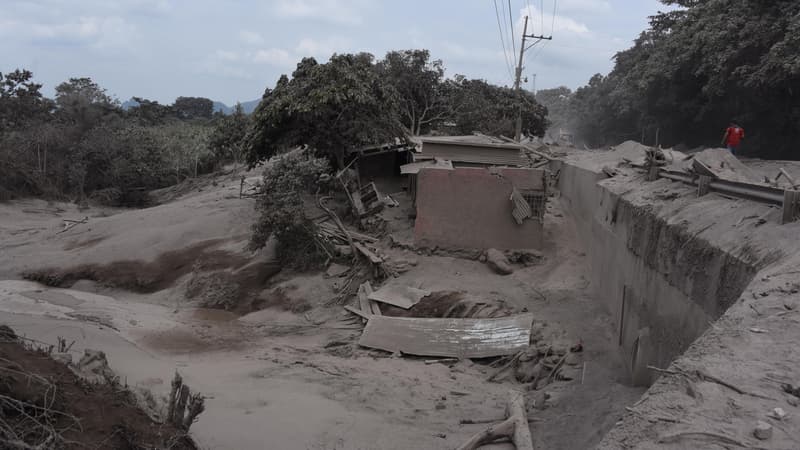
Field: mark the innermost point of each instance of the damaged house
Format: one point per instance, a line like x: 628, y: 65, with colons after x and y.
x: 474, y: 192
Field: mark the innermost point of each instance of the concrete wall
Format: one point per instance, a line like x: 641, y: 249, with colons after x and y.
x: 662, y: 284
x: 471, y: 208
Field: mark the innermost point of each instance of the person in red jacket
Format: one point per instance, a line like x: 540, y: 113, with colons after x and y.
x: 733, y: 137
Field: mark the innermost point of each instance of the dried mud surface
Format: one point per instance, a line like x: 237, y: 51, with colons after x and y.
x: 81, y: 414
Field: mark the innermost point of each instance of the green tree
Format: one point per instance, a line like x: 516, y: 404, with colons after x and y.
x: 557, y: 102
x: 698, y: 67
x: 287, y: 179
x: 227, y: 139
x: 484, y: 107
x: 150, y: 112
x: 185, y: 147
x: 419, y: 84
x: 330, y: 107
x: 83, y: 103
x: 193, y: 107
x: 21, y: 100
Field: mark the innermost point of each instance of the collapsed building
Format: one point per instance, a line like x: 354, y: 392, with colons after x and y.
x: 475, y: 192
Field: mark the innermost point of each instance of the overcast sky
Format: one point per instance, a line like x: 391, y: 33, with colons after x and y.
x: 230, y: 50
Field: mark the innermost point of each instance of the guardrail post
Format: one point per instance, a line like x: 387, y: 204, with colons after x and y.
x: 652, y: 173
x: 791, y: 206
x: 703, y: 185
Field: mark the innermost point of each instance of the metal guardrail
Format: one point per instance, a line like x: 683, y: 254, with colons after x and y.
x: 766, y: 194
x: 789, y: 200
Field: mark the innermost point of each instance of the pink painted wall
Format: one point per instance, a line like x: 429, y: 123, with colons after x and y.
x: 471, y: 208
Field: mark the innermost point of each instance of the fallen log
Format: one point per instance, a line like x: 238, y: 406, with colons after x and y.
x: 70, y: 224
x: 515, y: 427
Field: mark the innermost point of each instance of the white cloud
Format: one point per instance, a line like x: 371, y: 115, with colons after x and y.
x: 345, y: 12
x: 558, y: 24
x: 322, y: 48
x: 226, y: 55
x: 457, y: 52
x: 574, y: 47
x: 274, y: 57
x: 580, y: 7
x: 251, y: 37
x: 87, y: 31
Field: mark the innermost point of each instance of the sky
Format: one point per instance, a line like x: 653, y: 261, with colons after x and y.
x: 231, y: 50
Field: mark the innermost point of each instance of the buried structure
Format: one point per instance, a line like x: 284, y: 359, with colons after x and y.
x: 655, y: 317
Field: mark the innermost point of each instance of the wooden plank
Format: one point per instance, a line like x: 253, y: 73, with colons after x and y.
x: 363, y: 301
x: 374, y: 306
x: 373, y: 258
x: 401, y: 296
x: 357, y: 312
x: 449, y: 337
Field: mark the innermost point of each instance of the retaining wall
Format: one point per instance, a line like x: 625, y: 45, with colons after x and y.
x: 662, y: 283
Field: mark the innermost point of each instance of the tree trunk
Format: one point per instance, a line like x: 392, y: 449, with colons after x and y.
x: 515, y: 427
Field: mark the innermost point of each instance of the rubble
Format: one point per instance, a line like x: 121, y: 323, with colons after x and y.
x: 497, y: 261
x: 763, y: 430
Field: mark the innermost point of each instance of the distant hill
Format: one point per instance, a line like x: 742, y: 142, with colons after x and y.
x: 130, y: 103
x: 222, y: 107
x: 248, y: 107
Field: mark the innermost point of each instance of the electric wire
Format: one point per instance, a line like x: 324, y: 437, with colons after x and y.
x: 502, y: 40
x: 541, y: 14
x: 511, y: 22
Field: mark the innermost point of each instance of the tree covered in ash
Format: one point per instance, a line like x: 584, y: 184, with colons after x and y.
x: 353, y: 101
x: 695, y: 69
x: 83, y: 145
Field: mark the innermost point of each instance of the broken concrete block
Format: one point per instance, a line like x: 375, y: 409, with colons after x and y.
x: 497, y: 261
x: 778, y: 413
x: 763, y: 430
x: 63, y: 358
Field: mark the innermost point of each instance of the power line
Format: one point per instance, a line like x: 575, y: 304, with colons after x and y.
x: 555, y: 8
x: 530, y: 11
x: 511, y: 22
x: 502, y: 40
x: 541, y: 14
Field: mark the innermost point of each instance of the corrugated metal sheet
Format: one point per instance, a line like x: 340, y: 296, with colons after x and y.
x: 460, y: 152
x: 461, y: 338
x: 521, y: 210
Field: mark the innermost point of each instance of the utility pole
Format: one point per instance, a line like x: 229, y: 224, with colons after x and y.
x: 518, y: 134
x: 518, y: 79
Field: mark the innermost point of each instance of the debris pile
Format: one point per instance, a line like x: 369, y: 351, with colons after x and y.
x: 457, y: 337
x: 44, y: 404
x: 540, y: 364
x: 497, y: 261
